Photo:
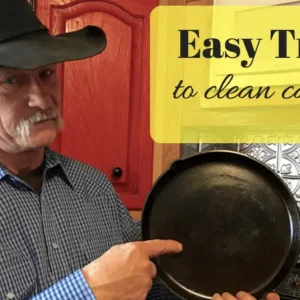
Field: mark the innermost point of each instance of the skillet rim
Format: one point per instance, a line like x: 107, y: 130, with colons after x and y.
x: 291, y: 207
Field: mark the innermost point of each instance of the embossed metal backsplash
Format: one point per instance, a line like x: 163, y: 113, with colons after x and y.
x: 284, y: 159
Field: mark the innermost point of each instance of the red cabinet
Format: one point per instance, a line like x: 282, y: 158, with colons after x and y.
x: 106, y: 98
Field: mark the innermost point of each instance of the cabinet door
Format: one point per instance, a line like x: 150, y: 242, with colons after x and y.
x: 106, y: 98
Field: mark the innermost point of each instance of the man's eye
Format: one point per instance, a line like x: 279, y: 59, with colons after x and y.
x: 46, y: 73
x: 10, y: 80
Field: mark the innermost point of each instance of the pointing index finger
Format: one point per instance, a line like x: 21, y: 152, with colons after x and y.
x: 160, y: 247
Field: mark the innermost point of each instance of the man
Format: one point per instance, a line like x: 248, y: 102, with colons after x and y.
x: 64, y: 233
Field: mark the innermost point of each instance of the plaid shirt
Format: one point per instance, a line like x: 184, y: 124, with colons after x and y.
x: 47, y: 238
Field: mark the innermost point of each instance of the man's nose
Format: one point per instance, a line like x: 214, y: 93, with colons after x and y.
x: 39, y: 97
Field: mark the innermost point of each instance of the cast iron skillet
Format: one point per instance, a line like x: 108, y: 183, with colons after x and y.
x: 237, y: 220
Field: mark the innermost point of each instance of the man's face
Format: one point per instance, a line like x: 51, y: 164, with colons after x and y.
x: 30, y: 107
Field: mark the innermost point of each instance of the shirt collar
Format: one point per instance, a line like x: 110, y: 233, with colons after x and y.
x: 52, y: 162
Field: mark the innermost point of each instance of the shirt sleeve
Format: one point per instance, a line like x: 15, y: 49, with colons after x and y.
x: 71, y: 287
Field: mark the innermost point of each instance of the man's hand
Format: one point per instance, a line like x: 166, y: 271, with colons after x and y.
x: 243, y: 296
x: 126, y: 271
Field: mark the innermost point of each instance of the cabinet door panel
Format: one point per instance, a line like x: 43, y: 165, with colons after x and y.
x: 106, y: 97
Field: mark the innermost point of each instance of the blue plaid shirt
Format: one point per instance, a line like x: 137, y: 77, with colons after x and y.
x: 47, y: 238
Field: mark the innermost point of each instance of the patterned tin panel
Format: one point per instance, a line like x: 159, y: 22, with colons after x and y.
x: 284, y: 159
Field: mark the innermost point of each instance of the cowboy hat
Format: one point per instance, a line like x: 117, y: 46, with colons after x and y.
x: 25, y: 43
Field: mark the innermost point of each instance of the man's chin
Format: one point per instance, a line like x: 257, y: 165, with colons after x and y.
x: 36, y: 141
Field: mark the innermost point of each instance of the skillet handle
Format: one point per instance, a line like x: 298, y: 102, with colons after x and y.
x: 176, y: 165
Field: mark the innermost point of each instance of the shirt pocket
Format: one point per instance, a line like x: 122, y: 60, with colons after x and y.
x: 97, y: 246
x: 17, y: 278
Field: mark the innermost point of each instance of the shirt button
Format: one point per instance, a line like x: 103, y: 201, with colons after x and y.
x: 10, y: 296
x: 55, y: 245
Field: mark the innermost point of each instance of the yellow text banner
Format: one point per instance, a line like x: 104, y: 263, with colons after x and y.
x: 222, y: 74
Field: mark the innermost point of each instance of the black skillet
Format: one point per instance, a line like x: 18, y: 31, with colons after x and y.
x: 237, y: 220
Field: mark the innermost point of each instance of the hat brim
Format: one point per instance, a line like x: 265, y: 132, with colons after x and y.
x: 41, y: 49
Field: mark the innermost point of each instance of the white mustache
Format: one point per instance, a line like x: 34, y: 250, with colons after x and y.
x: 23, y: 129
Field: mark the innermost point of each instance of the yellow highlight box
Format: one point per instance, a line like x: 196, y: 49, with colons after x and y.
x: 225, y: 74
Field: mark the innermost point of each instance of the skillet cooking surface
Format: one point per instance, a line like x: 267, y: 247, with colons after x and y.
x: 237, y: 220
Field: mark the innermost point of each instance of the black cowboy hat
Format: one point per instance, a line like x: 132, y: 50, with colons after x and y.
x: 25, y: 43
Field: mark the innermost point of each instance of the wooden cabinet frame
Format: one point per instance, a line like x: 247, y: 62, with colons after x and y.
x: 164, y: 154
